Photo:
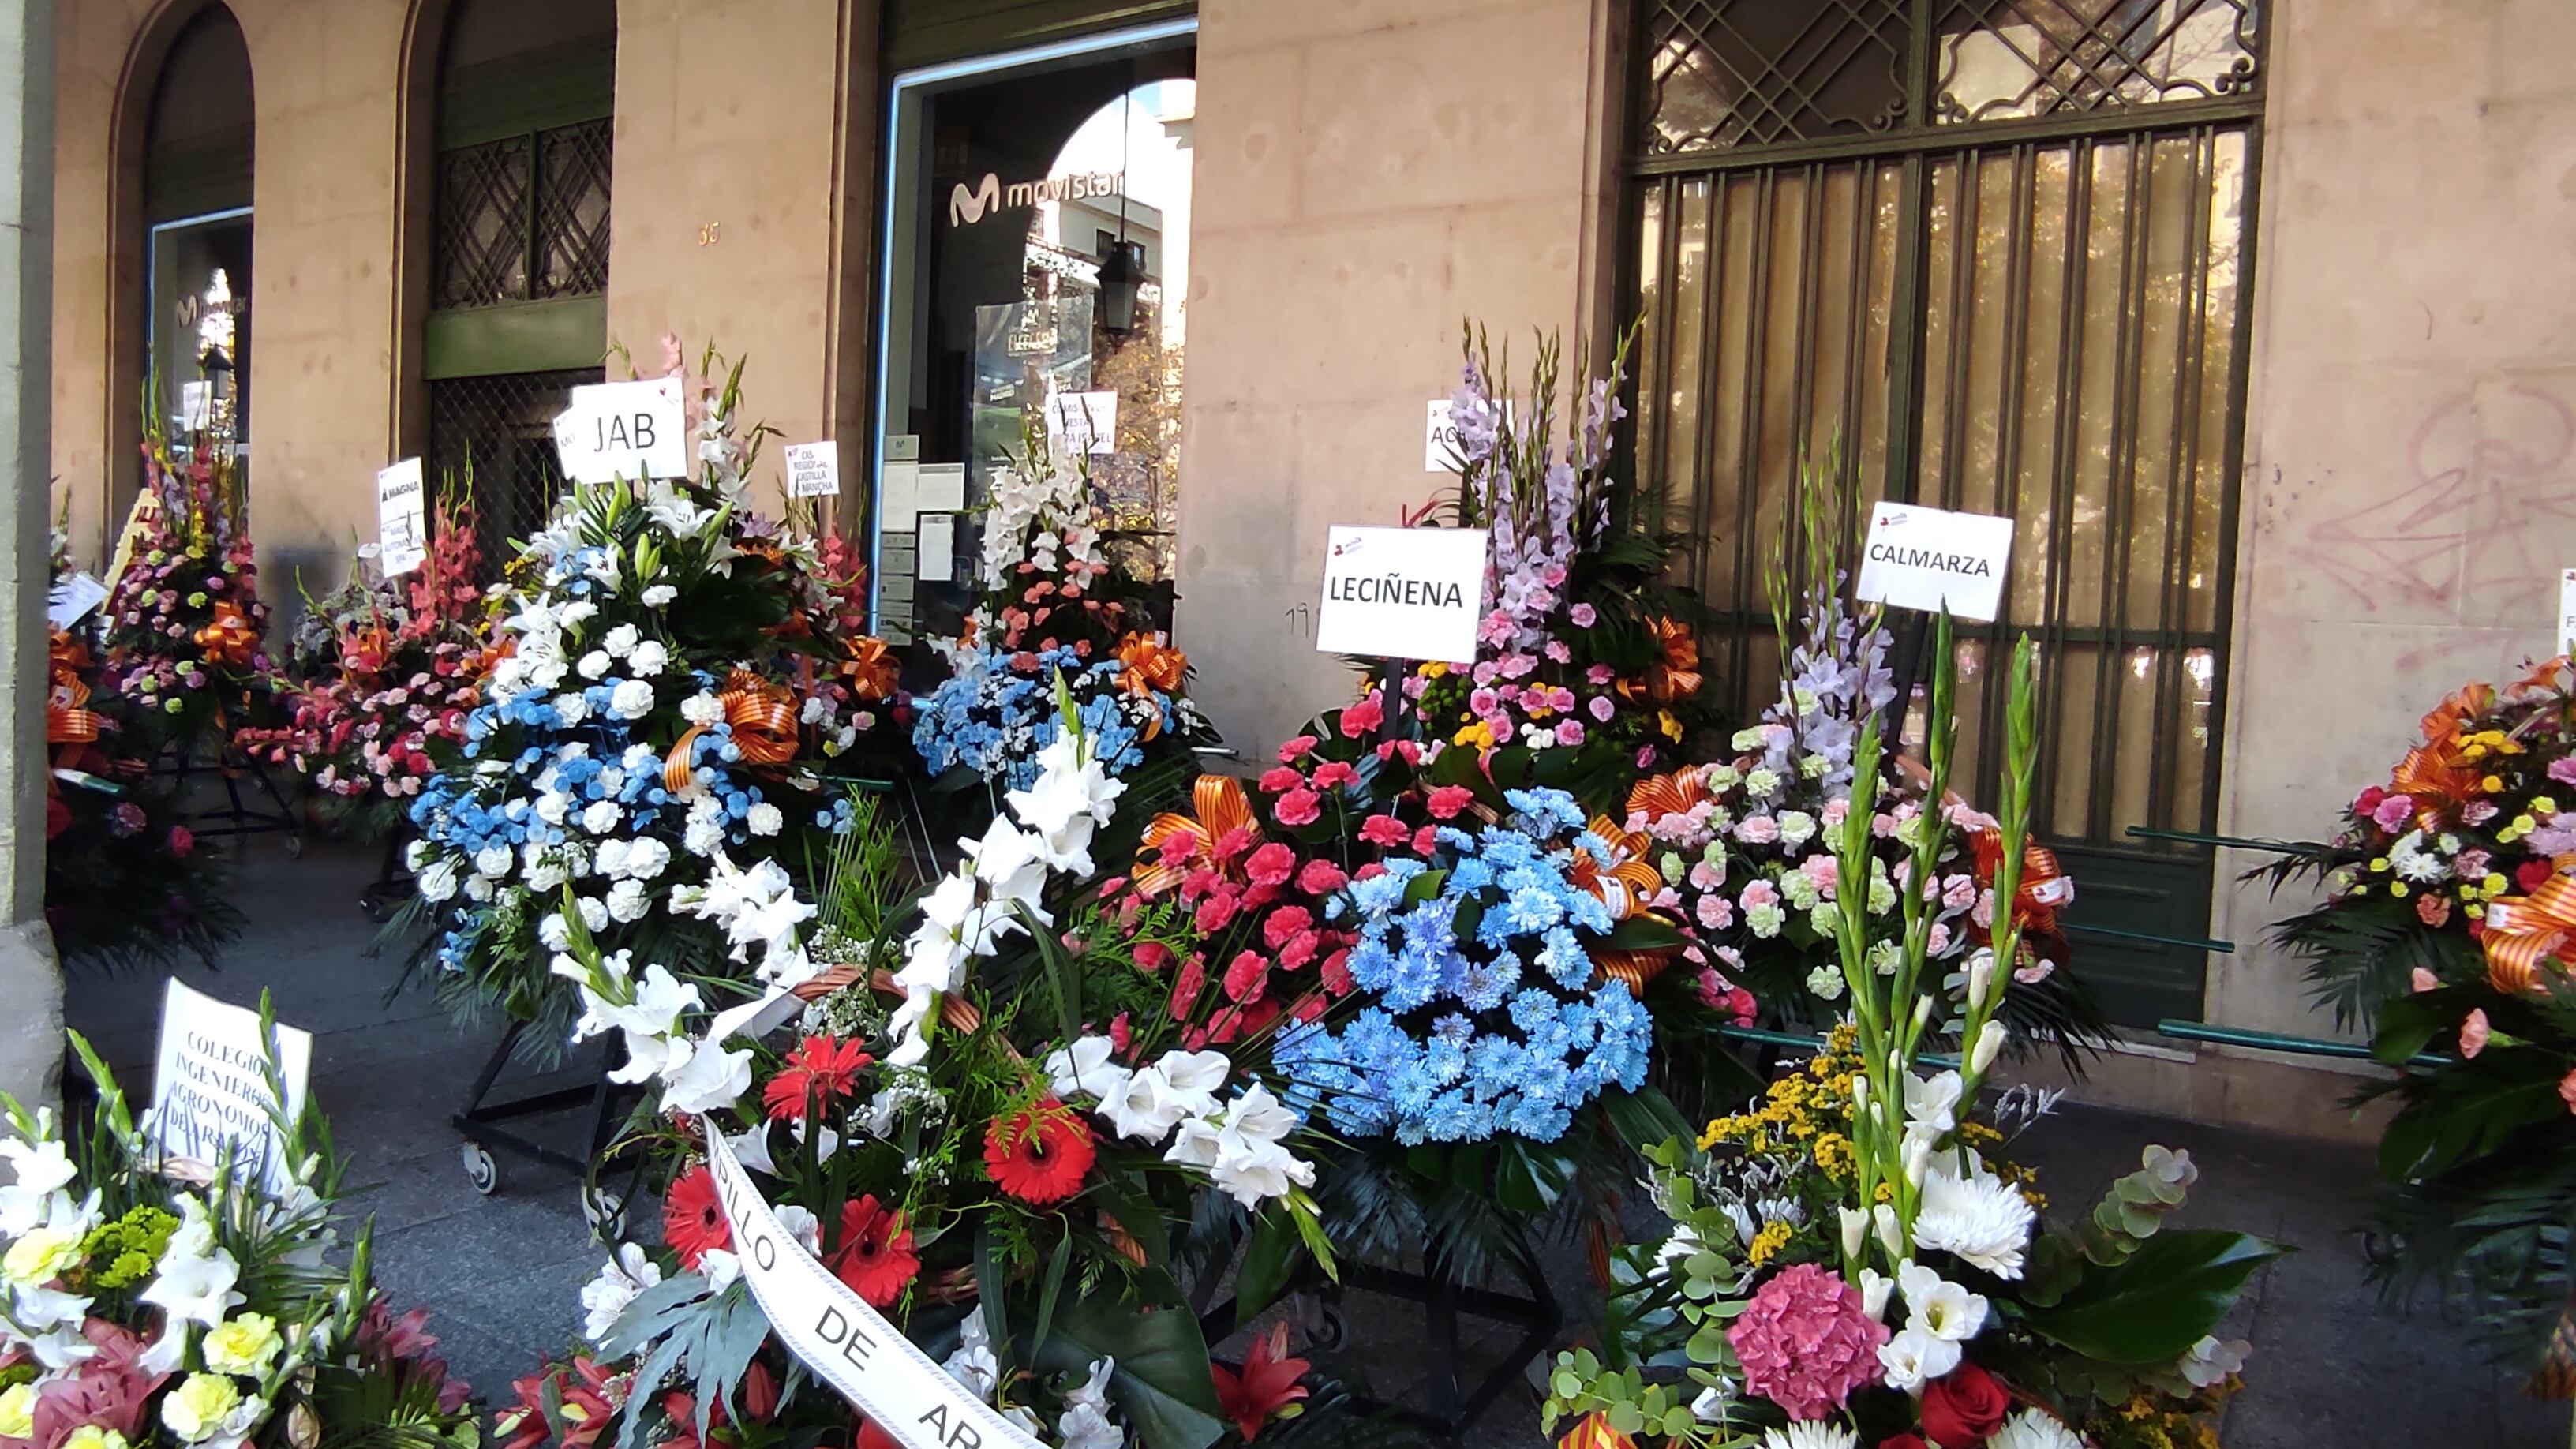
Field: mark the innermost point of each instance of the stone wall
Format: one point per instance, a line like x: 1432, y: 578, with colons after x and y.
x: 1370, y: 173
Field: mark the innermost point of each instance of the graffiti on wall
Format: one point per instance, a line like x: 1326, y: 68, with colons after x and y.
x: 2477, y: 536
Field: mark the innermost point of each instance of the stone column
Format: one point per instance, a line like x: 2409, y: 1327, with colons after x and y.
x: 31, y: 986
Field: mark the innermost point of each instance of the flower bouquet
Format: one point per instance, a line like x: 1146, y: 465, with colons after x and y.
x: 1855, y: 1262
x: 676, y: 703
x: 158, y: 1301
x: 183, y: 621
x: 986, y: 1129
x: 126, y: 883
x: 1586, y: 658
x: 2446, y: 928
x: 393, y: 678
x: 1053, y: 604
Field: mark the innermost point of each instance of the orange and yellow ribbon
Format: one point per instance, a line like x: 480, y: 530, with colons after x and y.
x: 1150, y: 665
x: 1218, y: 808
x: 1624, y: 883
x: 763, y: 717
x: 229, y: 638
x: 2527, y: 934
x: 1675, y: 674
x: 871, y: 669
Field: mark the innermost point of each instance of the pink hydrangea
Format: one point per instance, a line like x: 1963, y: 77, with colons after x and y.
x: 1806, y: 1341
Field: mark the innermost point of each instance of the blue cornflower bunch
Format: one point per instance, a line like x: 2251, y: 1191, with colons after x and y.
x: 999, y: 709
x: 1487, y: 1017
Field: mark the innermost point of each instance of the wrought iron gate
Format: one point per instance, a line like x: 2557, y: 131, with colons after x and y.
x: 1991, y: 255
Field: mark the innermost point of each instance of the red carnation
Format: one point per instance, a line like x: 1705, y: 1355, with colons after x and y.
x: 1039, y: 1156
x: 821, y: 1068
x: 1964, y: 1407
x: 1447, y: 800
x: 1280, y: 778
x: 2531, y: 875
x: 693, y: 1221
x: 1271, y: 865
x: 1299, y: 807
x: 1363, y: 718
x: 875, y: 1256
x: 1382, y: 830
x: 1321, y: 878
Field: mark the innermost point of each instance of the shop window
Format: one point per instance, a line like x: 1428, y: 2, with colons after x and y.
x: 1037, y: 246
x: 518, y: 247
x: 2011, y: 282
x: 197, y: 165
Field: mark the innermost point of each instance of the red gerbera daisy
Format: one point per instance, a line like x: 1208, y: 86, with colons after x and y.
x: 693, y: 1222
x: 1039, y: 1156
x: 820, y: 1066
x: 875, y: 1257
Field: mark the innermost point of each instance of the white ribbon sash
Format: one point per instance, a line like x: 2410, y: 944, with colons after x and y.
x: 843, y: 1340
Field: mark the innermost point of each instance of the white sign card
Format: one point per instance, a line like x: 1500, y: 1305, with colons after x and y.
x: 814, y: 470
x: 630, y: 430
x: 208, y: 1086
x: 899, y: 498
x: 402, y: 518
x: 1082, y: 422
x: 940, y: 488
x: 834, y: 1332
x: 1928, y: 558
x: 1439, y: 439
x: 2567, y: 612
x: 937, y: 551
x: 196, y: 405
x: 1402, y: 593
x: 70, y: 601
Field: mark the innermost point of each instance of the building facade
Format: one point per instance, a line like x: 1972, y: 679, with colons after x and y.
x: 2252, y: 314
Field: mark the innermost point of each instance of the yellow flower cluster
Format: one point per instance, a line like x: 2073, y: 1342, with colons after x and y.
x: 2152, y: 1421
x: 1768, y: 1242
x: 1805, y: 1107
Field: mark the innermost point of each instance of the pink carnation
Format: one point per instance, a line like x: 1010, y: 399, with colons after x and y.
x: 1806, y: 1341
x: 1382, y: 830
x: 1584, y: 616
x: 1299, y: 807
x: 1320, y: 878
x: 1447, y: 800
x: 2392, y: 812
x: 1271, y: 864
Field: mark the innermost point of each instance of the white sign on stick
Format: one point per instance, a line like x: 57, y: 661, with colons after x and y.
x: 834, y: 1332
x: 1402, y: 593
x: 1929, y: 558
x: 209, y: 1091
x: 2567, y: 612
x: 402, y: 518
x: 70, y: 601
x: 1082, y: 422
x: 1439, y: 439
x: 814, y: 470
x: 631, y: 430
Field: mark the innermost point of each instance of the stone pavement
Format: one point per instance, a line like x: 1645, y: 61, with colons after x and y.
x: 2333, y: 1368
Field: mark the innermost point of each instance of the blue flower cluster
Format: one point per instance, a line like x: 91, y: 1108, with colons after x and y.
x: 1486, y: 1018
x: 993, y: 718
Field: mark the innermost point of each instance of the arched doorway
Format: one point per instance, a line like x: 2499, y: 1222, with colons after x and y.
x: 198, y: 150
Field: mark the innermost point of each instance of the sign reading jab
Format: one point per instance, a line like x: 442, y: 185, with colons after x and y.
x: 631, y: 430
x: 834, y: 1332
x: 209, y: 1091
x: 1930, y: 558
x: 402, y: 519
x: 1402, y: 593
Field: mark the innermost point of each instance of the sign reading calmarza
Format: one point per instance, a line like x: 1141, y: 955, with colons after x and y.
x: 1931, y: 558
x: 1402, y: 593
x: 837, y: 1335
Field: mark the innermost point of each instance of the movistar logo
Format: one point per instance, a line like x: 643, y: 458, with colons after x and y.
x: 966, y: 207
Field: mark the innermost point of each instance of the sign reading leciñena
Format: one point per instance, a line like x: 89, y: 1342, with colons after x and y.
x: 834, y: 1332
x: 1930, y: 558
x: 1402, y: 593
x: 627, y: 430
x: 209, y: 1091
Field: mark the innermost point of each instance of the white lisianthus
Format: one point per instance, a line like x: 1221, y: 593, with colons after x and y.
x: 621, y: 1279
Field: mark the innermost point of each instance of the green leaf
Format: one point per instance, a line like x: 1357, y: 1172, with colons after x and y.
x: 2154, y: 1305
x: 1053, y: 1289
x: 1270, y: 1260
x: 1161, y: 1383
x: 1644, y: 1118
x: 1640, y: 933
x: 2408, y: 1024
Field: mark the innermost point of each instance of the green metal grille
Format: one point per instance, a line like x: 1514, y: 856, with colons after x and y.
x: 2003, y: 271
x: 502, y: 427
x: 508, y: 231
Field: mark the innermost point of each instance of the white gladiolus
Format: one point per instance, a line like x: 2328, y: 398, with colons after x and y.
x: 1939, y: 1307
x: 1990, y: 1045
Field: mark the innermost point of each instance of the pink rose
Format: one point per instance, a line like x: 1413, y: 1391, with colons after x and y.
x: 1569, y: 733
x: 1584, y: 615
x: 1601, y: 708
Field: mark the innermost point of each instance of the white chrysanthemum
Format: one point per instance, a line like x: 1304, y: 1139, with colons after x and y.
x: 631, y: 699
x: 2034, y: 1429
x: 765, y: 819
x: 1810, y: 1434
x: 648, y: 659
x: 593, y: 664
x: 1983, y: 1219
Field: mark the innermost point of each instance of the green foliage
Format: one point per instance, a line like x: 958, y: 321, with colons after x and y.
x: 2158, y: 1300
x: 1161, y: 1383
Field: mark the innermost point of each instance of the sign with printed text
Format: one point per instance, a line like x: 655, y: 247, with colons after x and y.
x: 834, y: 1332
x: 2567, y: 612
x: 209, y: 1086
x: 1930, y: 558
x: 631, y: 430
x: 1402, y: 593
x: 70, y: 601
x: 402, y: 518
x: 1082, y: 422
x: 814, y: 470
x: 1439, y: 439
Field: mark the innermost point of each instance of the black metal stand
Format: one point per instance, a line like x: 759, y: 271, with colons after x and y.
x: 483, y: 1124
x: 1450, y: 1408
x: 237, y: 818
x: 393, y: 884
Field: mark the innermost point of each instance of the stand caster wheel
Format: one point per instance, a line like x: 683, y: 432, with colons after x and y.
x: 295, y: 847
x: 605, y: 1211
x: 480, y: 1169
x: 374, y: 909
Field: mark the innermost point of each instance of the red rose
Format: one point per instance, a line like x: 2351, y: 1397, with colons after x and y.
x: 1903, y: 1441
x: 1963, y: 1408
